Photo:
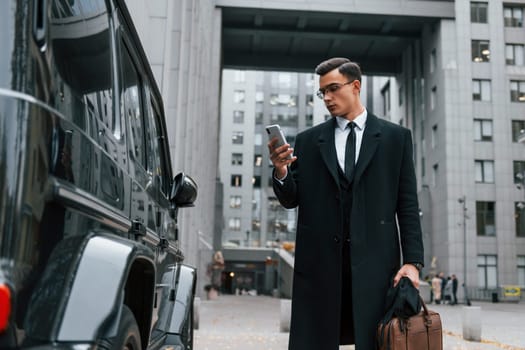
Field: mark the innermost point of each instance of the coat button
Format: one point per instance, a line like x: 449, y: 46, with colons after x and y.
x: 336, y: 239
x: 347, y: 240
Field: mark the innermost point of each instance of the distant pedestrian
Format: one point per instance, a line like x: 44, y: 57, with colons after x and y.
x: 436, y: 289
x: 428, y: 279
x: 447, y: 291
x: 443, y: 281
x: 454, y: 290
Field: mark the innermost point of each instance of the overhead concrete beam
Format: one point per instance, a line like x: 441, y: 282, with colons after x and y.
x: 423, y: 8
x: 309, y: 34
x: 266, y: 61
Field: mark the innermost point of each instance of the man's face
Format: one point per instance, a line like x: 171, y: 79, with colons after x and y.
x: 340, y: 94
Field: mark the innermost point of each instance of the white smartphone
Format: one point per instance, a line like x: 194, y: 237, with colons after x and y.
x: 274, y: 130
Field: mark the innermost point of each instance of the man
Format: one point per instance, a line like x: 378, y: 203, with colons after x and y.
x: 443, y: 284
x: 437, y: 288
x: 347, y: 246
x: 447, y: 291
x: 454, y: 290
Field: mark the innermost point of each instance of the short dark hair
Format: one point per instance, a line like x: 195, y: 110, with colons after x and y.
x: 349, y: 69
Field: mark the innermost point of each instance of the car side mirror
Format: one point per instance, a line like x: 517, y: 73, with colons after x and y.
x: 183, y: 191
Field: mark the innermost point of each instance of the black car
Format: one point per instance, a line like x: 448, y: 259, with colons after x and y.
x: 89, y: 249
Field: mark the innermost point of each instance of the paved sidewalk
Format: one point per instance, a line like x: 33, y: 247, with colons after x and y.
x: 252, y: 323
x: 502, y: 324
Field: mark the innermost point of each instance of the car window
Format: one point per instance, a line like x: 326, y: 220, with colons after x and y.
x: 156, y: 161
x: 131, y: 99
x: 81, y: 60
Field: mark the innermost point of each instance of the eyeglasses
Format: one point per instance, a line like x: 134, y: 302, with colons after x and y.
x: 331, y: 89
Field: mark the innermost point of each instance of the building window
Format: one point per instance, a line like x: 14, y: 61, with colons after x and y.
x: 435, y: 174
x: 309, y: 100
x: 238, y: 96
x: 485, y: 218
x: 482, y: 130
x: 237, y: 137
x: 484, y: 171
x: 521, y: 270
x: 310, y: 79
x: 400, y: 96
x: 487, y: 271
x: 236, y: 158
x: 517, y: 90
x: 270, y: 179
x: 433, y: 98
x: 478, y: 12
x: 256, y: 225
x: 285, y: 80
x: 284, y: 117
x: 283, y: 100
x: 234, y: 224
x: 309, y: 119
x: 238, y: 117
x: 519, y: 171
x: 256, y: 181
x: 259, y: 97
x: 433, y: 61
x: 385, y: 93
x: 514, y: 54
x: 239, y: 76
x: 258, y: 118
x: 434, y: 136
x: 480, y: 51
x: 519, y: 215
x: 236, y: 180
x: 481, y: 90
x: 513, y: 16
x: 235, y: 201
x: 258, y: 139
x: 518, y: 130
x: 257, y: 162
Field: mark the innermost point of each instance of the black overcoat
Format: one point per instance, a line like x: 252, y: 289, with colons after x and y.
x: 384, y: 188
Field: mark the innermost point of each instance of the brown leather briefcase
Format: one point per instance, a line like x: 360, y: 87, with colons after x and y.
x: 419, y: 332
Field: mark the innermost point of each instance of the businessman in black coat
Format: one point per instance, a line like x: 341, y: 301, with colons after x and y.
x: 349, y: 197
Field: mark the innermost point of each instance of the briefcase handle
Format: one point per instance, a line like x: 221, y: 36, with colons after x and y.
x: 428, y: 319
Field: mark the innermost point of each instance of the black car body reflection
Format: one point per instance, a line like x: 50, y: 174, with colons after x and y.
x: 89, y: 250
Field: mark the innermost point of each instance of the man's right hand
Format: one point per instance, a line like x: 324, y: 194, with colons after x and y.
x: 278, y: 157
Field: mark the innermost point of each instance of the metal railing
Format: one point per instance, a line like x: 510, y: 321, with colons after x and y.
x: 502, y: 293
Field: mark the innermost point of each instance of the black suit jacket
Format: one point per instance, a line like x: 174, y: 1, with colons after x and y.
x: 384, y: 190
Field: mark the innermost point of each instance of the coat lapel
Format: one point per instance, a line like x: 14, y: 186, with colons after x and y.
x: 369, y: 144
x: 326, y: 142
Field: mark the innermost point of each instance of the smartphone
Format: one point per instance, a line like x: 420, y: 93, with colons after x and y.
x: 274, y: 130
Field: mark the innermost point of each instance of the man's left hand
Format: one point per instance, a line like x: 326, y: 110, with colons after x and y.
x: 410, y: 271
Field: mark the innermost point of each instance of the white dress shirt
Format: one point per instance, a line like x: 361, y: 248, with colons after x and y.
x: 341, y: 134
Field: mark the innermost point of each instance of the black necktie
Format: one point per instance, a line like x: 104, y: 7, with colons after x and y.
x: 350, y: 151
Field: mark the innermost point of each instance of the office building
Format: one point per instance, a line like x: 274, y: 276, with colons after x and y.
x: 458, y: 82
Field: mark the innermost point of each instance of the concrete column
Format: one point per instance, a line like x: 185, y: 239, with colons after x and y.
x: 472, y: 323
x: 286, y: 314
x: 196, y: 312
